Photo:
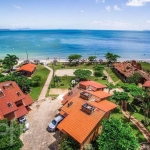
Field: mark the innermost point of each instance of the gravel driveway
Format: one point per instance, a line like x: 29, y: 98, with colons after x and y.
x: 37, y: 137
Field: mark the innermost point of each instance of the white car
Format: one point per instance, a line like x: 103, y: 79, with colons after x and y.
x: 24, y: 120
x: 53, y: 124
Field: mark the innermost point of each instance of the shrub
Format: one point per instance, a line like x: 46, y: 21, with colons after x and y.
x: 97, y: 73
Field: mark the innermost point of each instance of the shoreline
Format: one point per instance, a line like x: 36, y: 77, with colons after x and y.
x: 46, y: 61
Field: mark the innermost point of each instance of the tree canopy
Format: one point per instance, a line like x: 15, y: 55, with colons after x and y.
x: 116, y: 136
x: 9, y: 61
x: 82, y: 74
x: 110, y: 86
x: 23, y: 82
x: 110, y: 57
x: 98, y: 70
x: 91, y: 59
x: 122, y: 97
x: 132, y: 89
x: 9, y: 135
x: 74, y: 57
x: 135, y: 78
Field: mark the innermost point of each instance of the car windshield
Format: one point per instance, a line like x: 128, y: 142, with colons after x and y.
x: 54, y: 122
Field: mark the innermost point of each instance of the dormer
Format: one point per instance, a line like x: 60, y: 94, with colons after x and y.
x: 9, y: 104
x: 85, y: 95
x: 18, y: 93
x: 88, y: 109
x: 1, y: 93
x: 7, y: 86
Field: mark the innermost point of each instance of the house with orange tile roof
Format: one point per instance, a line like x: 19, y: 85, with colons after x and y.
x: 84, y: 108
x: 27, y: 69
x: 13, y: 102
x: 127, y: 69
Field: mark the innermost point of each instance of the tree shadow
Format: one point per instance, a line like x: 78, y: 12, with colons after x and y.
x: 54, y: 145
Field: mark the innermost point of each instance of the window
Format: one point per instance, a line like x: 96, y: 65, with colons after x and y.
x: 18, y: 93
x: 1, y: 93
x: 9, y: 104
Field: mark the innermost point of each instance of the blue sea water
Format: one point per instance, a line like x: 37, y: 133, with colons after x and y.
x: 43, y: 44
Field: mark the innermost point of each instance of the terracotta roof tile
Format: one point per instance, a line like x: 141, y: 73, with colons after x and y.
x: 20, y: 112
x: 100, y: 94
x: 79, y: 124
x: 28, y: 67
x: 93, y: 84
x: 146, y: 84
x: 27, y: 100
x: 128, y: 70
x: 104, y: 105
x: 10, y: 94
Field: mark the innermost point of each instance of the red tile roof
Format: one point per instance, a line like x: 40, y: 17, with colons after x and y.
x: 128, y: 70
x: 146, y: 84
x: 1, y: 115
x: 27, y: 100
x: 100, y: 94
x: 93, y: 84
x: 104, y: 105
x: 10, y: 94
x: 20, y: 112
x: 28, y: 67
x: 79, y: 124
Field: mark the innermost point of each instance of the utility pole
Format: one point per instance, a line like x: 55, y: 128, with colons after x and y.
x: 59, y: 58
x: 27, y: 55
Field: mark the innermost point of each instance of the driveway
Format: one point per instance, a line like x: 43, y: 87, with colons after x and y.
x: 68, y: 72
x: 37, y: 137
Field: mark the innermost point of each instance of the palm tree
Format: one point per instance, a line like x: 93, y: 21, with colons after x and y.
x: 9, y: 61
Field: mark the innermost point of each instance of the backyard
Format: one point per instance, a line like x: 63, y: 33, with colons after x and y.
x: 145, y: 66
x: 36, y: 90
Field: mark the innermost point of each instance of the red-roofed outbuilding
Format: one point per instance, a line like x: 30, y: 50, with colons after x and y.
x: 27, y: 69
x: 13, y: 102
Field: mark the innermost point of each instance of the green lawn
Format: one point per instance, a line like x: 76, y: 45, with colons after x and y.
x: 112, y: 75
x: 43, y: 72
x: 118, y: 114
x: 64, y: 82
x: 145, y: 66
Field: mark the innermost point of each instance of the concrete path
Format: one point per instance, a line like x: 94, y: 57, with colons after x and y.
x: 46, y: 85
x: 109, y: 79
x: 139, y: 125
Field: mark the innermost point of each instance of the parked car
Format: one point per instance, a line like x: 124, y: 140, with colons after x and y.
x: 24, y: 120
x: 53, y: 124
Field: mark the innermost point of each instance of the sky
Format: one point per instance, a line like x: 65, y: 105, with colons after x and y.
x: 75, y: 14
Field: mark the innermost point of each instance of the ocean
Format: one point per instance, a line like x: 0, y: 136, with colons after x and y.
x: 43, y: 44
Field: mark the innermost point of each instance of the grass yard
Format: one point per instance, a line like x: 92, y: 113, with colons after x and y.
x: 64, y: 82
x: 112, y: 75
x: 118, y: 114
x: 145, y: 66
x: 43, y: 72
